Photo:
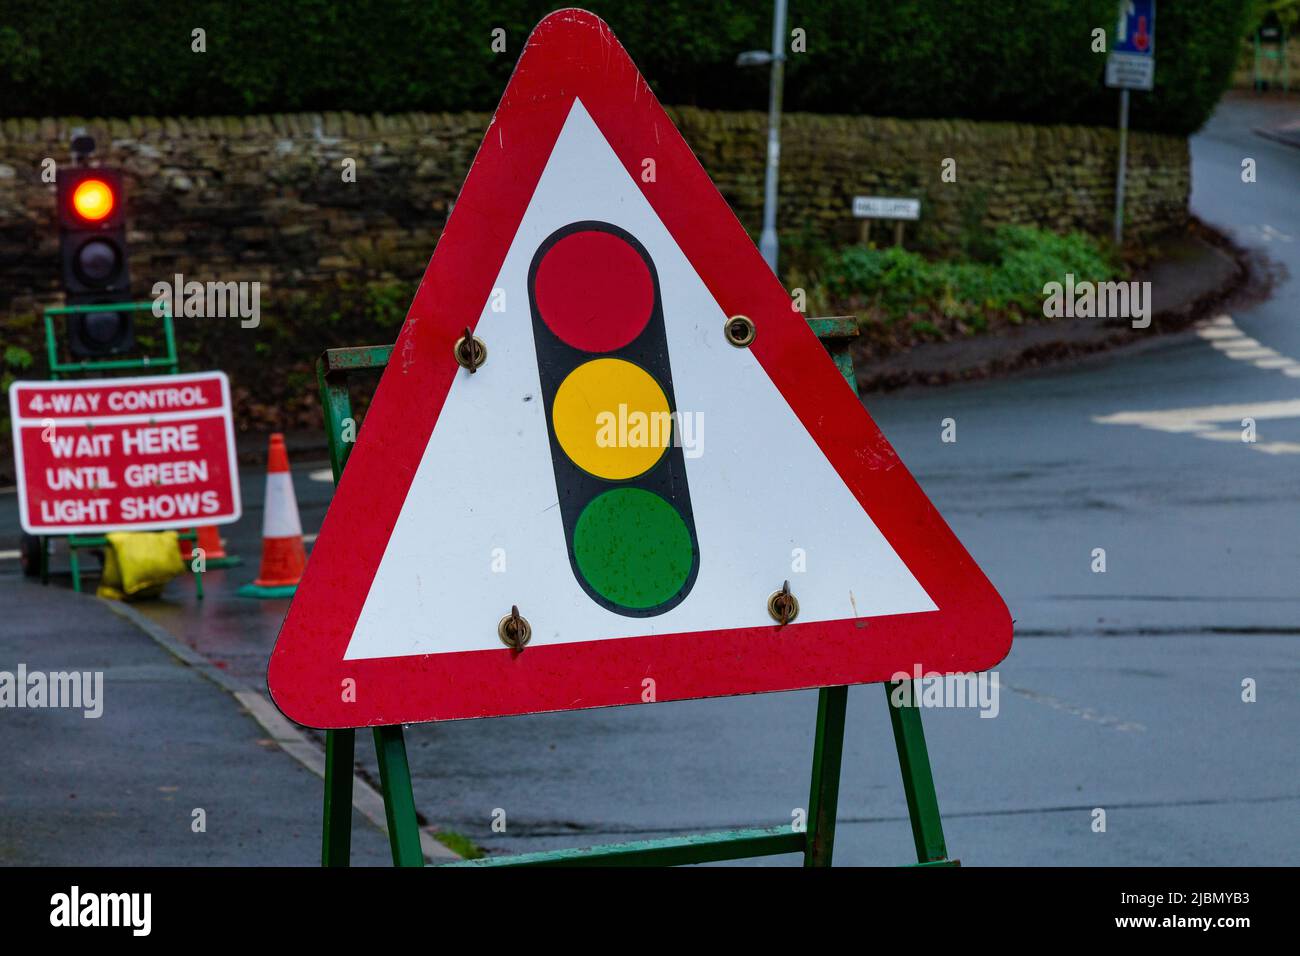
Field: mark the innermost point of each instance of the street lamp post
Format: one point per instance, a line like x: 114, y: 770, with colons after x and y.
x: 767, y: 243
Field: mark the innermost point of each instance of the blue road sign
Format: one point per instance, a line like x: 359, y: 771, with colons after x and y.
x: 1136, y: 30
x: 1132, y: 61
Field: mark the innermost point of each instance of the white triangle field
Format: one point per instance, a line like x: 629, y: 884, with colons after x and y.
x: 480, y: 528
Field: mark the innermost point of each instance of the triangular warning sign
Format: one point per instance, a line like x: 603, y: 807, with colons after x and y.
x: 627, y: 467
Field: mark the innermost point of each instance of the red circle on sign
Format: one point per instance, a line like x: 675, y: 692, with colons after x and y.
x: 594, y: 291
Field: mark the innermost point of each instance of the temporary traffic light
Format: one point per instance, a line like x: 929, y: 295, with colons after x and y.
x: 92, y: 255
x: 602, y: 356
x: 514, y: 535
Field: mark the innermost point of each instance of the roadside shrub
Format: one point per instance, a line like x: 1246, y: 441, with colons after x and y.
x: 978, y: 59
x: 884, y: 286
x: 19, y: 359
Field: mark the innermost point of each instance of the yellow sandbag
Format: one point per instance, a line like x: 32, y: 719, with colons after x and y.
x: 138, y: 563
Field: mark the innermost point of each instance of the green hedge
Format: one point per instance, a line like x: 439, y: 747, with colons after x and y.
x: 894, y: 283
x: 980, y: 59
x: 902, y: 299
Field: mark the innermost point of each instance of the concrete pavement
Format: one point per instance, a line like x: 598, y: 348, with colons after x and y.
x: 124, y: 788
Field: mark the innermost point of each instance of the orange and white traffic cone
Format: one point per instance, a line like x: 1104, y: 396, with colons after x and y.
x: 283, y: 553
x: 214, y: 549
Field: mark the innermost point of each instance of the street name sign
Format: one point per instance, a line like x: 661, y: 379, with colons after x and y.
x: 883, y: 207
x: 1131, y: 64
x: 124, y: 454
x: 653, y: 445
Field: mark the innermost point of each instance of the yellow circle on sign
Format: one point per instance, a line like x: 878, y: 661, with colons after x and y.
x: 612, y: 419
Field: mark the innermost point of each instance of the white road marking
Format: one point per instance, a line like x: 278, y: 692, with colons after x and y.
x: 1238, y: 341
x: 1203, y: 417
x: 1250, y: 353
x: 1223, y: 333
x: 1266, y: 233
x: 1257, y: 353
x: 1083, y: 713
x: 1219, y: 332
x: 10, y: 555
x: 1200, y: 421
x: 1227, y: 338
x: 322, y: 474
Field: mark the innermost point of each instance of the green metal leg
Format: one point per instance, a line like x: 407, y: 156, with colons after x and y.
x: 192, y: 536
x: 817, y: 843
x: 76, y: 568
x: 674, y: 851
x: 399, y: 800
x: 340, y: 750
x: 828, y: 752
x: 837, y: 335
x: 918, y: 781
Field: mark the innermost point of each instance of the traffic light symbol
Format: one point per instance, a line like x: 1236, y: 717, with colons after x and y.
x: 92, y: 255
x: 602, y: 357
x: 1143, y: 38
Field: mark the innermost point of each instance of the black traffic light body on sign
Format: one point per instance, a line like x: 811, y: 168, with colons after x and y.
x: 93, y: 260
x: 607, y: 389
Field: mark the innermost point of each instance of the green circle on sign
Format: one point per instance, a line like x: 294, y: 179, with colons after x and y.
x: 633, y: 548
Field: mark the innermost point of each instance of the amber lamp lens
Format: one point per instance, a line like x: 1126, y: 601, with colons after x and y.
x: 92, y: 199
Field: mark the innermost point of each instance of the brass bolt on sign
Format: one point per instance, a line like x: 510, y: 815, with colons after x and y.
x: 514, y: 630
x: 740, y: 331
x: 782, y: 605
x: 470, y: 351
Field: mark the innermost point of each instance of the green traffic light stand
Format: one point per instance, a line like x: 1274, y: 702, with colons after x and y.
x: 168, y: 363
x: 1270, y: 42
x: 816, y: 841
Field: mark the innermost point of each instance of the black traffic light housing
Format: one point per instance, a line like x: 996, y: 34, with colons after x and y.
x: 93, y: 260
x: 662, y: 486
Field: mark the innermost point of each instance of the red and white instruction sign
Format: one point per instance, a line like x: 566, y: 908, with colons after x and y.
x: 124, y: 454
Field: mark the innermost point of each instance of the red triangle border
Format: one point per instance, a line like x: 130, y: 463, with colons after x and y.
x: 572, y: 53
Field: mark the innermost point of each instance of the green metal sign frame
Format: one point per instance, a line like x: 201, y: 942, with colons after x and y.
x: 168, y: 363
x: 1272, y: 49
x: 816, y: 842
